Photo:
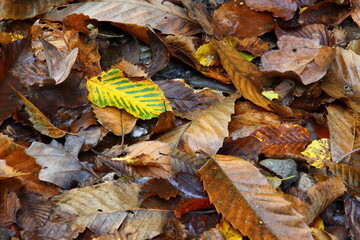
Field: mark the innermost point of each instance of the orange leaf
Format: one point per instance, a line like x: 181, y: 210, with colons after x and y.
x: 283, y: 139
x: 246, y: 199
x: 245, y: 75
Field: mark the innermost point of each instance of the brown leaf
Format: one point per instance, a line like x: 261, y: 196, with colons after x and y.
x: 306, y: 57
x: 163, y: 16
x: 160, y: 54
x: 158, y: 187
x: 184, y: 163
x: 248, y: 148
x: 117, y: 121
x: 23, y: 9
x: 254, y: 45
x: 350, y: 175
x: 242, y: 195
x: 8, y: 172
x: 15, y: 157
x: 328, y: 13
x: 165, y: 123
x: 59, y: 67
x: 282, y: 139
x: 279, y: 8
x: 246, y: 76
x: 342, y: 123
x: 206, y: 132
x: 342, y: 79
x: 352, y: 210
x: 9, y: 205
x: 130, y: 69
x: 39, y: 121
x: 250, y: 24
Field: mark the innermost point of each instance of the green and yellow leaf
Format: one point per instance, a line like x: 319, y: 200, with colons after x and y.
x: 143, y: 99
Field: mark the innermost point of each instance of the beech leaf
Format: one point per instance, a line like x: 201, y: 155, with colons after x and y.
x: 206, y: 132
x: 246, y: 199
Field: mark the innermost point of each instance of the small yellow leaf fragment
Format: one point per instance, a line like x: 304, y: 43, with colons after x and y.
x: 271, y: 95
x: 318, y: 152
x: 207, y: 55
x: 229, y: 231
x: 318, y: 223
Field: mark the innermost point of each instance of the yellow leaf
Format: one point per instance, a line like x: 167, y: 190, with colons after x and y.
x: 142, y: 99
x: 229, y: 231
x: 318, y: 152
x: 207, y: 55
x: 271, y: 95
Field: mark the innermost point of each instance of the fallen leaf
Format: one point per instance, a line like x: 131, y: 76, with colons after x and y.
x: 9, y: 206
x: 160, y: 56
x: 117, y: 121
x: 158, y: 187
x: 130, y: 69
x: 318, y: 153
x: 305, y: 57
x: 229, y: 231
x: 350, y: 175
x: 163, y: 16
x: 165, y: 123
x: 206, y: 132
x: 143, y: 99
x: 8, y: 172
x: 191, y: 204
x: 246, y: 76
x: 59, y: 67
x: 60, y: 164
x: 234, y: 185
x: 279, y: 8
x: 352, y: 210
x: 237, y: 19
x: 341, y: 122
x: 39, y: 121
x: 282, y: 139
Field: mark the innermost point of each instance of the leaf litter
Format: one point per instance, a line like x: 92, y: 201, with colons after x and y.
x: 127, y: 106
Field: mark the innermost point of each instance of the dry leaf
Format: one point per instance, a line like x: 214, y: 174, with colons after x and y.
x: 206, y: 132
x: 59, y: 67
x: 242, y: 195
x: 279, y: 8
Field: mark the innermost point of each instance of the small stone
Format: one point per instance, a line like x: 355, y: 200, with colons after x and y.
x: 305, y: 182
x: 282, y: 167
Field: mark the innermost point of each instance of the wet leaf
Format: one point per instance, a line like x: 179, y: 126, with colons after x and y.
x: 142, y: 99
x: 279, y: 8
x: 282, y: 139
x: 234, y: 185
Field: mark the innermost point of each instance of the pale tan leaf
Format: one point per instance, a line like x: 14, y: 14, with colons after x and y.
x: 117, y: 121
x: 246, y: 199
x: 341, y: 121
x: 206, y: 132
x: 246, y: 76
x: 350, y: 175
x: 160, y: 15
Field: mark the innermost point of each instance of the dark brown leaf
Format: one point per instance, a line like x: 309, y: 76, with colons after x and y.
x: 279, y: 8
x: 352, y: 216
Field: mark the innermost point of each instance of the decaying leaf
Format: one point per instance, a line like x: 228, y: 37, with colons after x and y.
x: 206, y: 132
x: 242, y: 195
x: 39, y: 121
x: 350, y: 175
x: 59, y: 67
x: 279, y: 8
x: 142, y: 99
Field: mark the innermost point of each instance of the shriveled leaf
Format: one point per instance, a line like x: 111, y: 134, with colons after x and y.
x: 117, y: 121
x: 306, y: 57
x: 342, y: 123
x: 163, y: 16
x: 342, y: 79
x: 143, y: 99
x: 207, y: 55
x: 250, y: 24
x: 245, y: 75
x: 241, y: 194
x: 59, y: 67
x: 318, y: 153
x: 279, y: 8
x: 282, y: 139
x: 60, y: 166
x: 350, y: 175
x: 206, y: 132
x: 39, y: 121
